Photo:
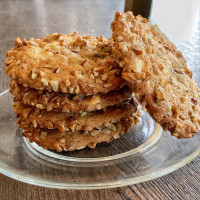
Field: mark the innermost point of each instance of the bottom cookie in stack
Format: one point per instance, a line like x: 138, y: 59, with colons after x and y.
x: 70, y: 131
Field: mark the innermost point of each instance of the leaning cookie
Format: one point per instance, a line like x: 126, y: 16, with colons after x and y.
x: 86, y: 121
x: 69, y: 141
x: 67, y: 102
x: 65, y: 63
x: 158, y: 74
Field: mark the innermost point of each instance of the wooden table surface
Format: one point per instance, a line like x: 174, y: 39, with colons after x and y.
x: 40, y: 17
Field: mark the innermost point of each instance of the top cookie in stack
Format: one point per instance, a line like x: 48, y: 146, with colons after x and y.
x: 69, y: 92
x: 65, y: 63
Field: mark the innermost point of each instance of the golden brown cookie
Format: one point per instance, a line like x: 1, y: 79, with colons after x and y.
x: 72, y: 121
x: 69, y: 141
x: 158, y: 74
x: 67, y: 102
x: 65, y: 63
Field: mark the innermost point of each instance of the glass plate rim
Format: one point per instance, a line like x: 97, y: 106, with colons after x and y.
x: 88, y: 186
x: 111, y: 184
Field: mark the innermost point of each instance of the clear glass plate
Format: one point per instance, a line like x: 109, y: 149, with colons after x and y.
x: 145, y: 153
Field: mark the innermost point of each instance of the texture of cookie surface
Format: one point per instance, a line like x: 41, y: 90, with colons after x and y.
x: 69, y: 141
x: 158, y: 74
x: 67, y: 102
x: 65, y: 63
x: 86, y: 121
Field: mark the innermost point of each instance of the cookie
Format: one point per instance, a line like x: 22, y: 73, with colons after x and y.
x: 69, y: 141
x: 85, y: 121
x: 65, y: 63
x: 158, y: 73
x: 61, y: 102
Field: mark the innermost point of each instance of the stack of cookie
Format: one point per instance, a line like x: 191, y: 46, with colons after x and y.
x: 68, y: 91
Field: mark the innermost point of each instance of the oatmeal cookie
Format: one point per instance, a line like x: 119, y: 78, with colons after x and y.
x: 69, y: 141
x: 85, y: 121
x: 61, y: 102
x: 158, y: 73
x: 65, y: 63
